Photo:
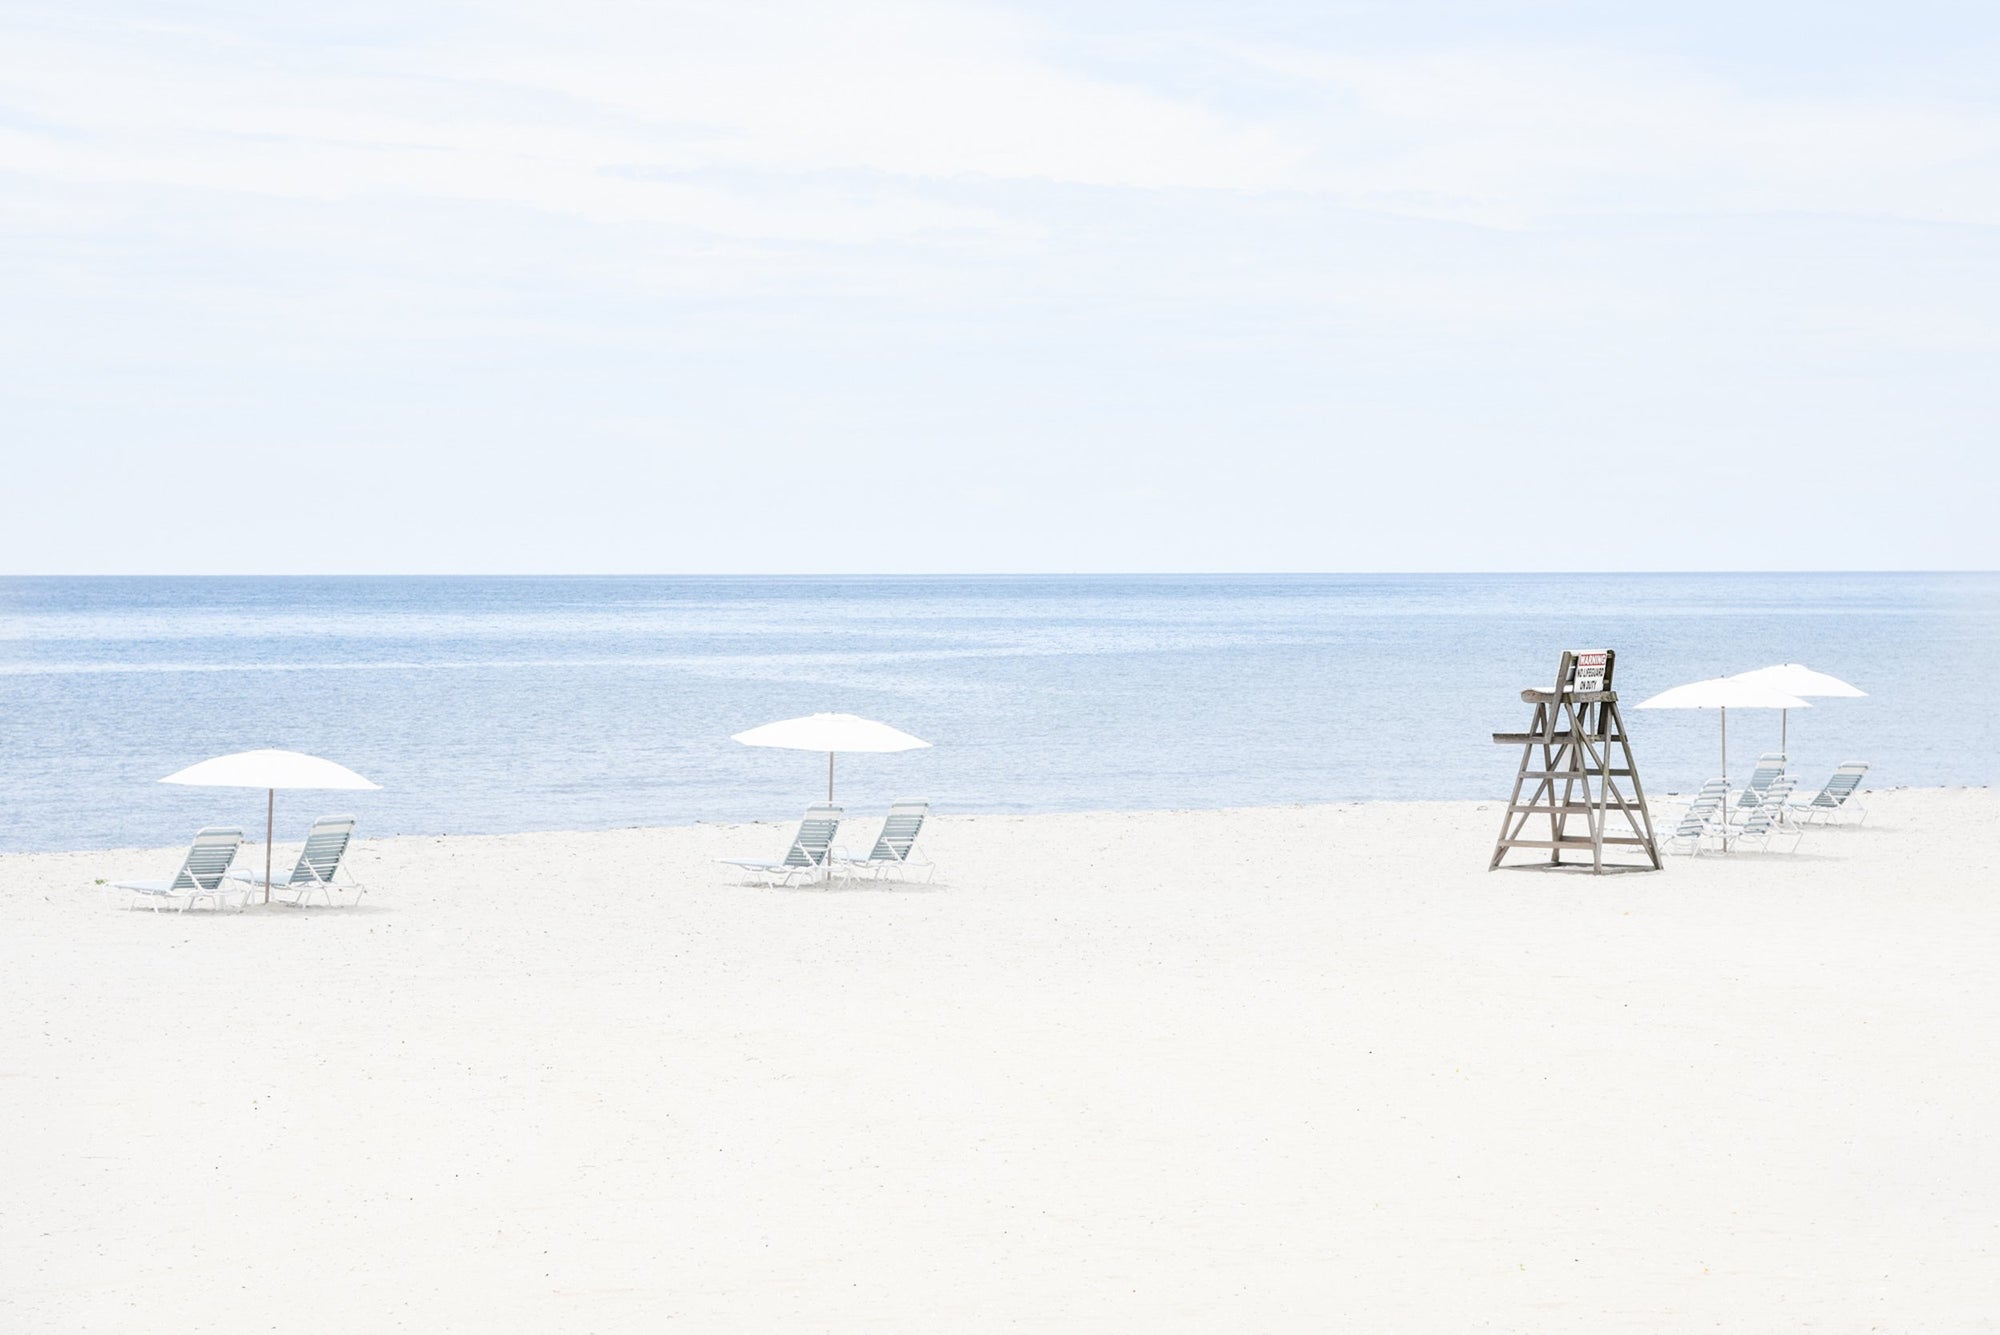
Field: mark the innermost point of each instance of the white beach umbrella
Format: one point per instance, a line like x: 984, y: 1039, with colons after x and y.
x: 1800, y: 680
x: 269, y: 770
x: 830, y: 733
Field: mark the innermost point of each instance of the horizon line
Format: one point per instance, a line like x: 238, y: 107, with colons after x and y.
x: 964, y: 574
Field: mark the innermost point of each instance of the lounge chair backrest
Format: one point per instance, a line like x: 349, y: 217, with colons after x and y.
x: 1772, y: 809
x: 1709, y: 800
x: 899, y: 832
x: 326, y: 844
x: 1705, y: 808
x: 1769, y: 766
x: 208, y: 858
x: 815, y: 837
x: 1842, y: 785
x: 1694, y: 822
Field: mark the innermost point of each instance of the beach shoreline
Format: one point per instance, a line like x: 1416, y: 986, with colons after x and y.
x: 1282, y: 1067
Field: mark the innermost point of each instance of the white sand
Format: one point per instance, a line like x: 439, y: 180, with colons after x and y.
x: 1290, y: 1069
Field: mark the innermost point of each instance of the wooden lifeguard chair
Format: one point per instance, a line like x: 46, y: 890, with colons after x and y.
x: 1576, y: 774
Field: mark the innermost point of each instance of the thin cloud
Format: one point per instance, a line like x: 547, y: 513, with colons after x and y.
x: 638, y: 122
x: 1511, y: 135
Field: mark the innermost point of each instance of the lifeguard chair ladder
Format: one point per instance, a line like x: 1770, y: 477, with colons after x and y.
x: 1576, y: 775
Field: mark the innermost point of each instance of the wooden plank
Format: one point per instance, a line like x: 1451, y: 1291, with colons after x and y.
x: 1565, y: 773
x: 1645, y: 822
x: 1540, y: 722
x: 1534, y: 739
x: 1568, y: 710
x: 1540, y: 731
x: 1575, y: 843
x: 1560, y: 711
x: 1536, y: 696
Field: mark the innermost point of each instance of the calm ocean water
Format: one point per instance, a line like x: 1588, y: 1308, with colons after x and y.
x: 488, y: 705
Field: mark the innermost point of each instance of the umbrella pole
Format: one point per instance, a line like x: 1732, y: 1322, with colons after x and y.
x: 1784, y: 729
x: 270, y: 813
x: 1724, y: 711
x: 829, y: 776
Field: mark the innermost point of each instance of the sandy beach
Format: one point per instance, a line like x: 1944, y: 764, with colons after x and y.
x: 1281, y: 1069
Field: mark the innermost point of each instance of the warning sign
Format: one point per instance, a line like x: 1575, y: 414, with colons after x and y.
x: 1589, y: 673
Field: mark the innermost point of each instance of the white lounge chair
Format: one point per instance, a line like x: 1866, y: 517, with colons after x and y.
x: 320, y: 863
x: 1770, y: 766
x: 895, y: 849
x: 201, y: 875
x: 1766, y: 821
x: 810, y: 856
x: 1700, y: 821
x: 1835, y: 802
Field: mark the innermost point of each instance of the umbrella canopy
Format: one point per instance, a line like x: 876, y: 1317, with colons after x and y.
x: 1800, y: 680
x: 1724, y: 693
x: 269, y: 770
x: 830, y: 733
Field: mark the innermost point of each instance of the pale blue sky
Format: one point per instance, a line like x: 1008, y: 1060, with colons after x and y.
x: 614, y: 286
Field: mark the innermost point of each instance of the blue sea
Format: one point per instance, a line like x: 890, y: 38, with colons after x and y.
x: 507, y: 704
